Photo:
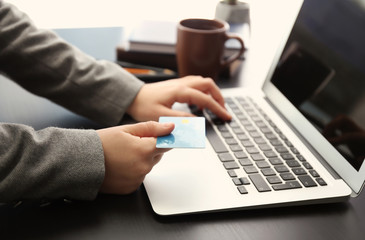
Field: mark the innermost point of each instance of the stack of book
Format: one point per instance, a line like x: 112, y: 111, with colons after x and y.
x: 152, y: 43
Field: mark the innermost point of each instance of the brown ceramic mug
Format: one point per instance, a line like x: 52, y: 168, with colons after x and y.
x: 200, y: 47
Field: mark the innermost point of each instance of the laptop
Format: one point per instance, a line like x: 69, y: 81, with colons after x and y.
x: 297, y: 139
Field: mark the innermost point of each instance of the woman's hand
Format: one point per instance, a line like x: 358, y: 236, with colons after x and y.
x: 130, y: 153
x: 156, y: 99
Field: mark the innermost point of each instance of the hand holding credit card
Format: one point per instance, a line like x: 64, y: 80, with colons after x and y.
x: 189, y: 132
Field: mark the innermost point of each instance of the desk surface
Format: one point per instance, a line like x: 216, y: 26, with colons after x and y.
x: 131, y: 216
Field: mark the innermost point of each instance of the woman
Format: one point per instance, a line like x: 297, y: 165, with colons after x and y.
x: 78, y: 164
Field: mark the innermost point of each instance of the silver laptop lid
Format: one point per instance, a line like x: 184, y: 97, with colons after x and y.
x: 317, y: 82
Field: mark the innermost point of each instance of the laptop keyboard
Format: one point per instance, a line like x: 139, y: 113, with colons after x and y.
x: 257, y: 146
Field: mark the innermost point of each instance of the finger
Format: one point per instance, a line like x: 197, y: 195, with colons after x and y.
x: 193, y: 96
x: 149, y: 129
x: 149, y: 147
x: 207, y: 85
x: 165, y: 111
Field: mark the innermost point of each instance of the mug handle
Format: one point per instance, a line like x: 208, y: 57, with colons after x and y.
x: 230, y: 59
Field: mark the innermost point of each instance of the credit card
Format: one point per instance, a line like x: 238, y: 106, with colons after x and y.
x: 189, y: 132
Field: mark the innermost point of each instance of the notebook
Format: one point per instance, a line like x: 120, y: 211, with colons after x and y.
x: 297, y: 139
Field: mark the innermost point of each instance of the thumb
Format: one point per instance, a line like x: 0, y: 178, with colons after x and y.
x: 149, y: 129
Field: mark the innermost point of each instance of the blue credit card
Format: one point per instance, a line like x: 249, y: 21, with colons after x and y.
x: 189, y: 132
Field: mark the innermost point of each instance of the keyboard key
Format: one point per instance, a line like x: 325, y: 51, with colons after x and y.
x: 240, y: 155
x: 231, y: 165
x: 266, y: 130
x: 225, y: 157
x: 217, y: 121
x: 232, y: 173
x: 259, y: 183
x: 255, y: 134
x: 231, y: 103
x: 196, y: 110
x: 307, y: 165
x: 256, y: 118
x: 236, y: 111
x: 252, y: 150
x: 257, y: 157
x: 314, y: 173
x: 288, y: 143
x: 222, y: 128
x: 250, y: 169
x: 268, y: 172
x: 293, y: 163
x: 245, y: 162
x: 214, y: 139
x: 270, y: 154
x: 275, y: 142
x: 274, y: 180
x: 245, y: 181
x: 238, y: 130
x: 287, y: 156
x: 231, y: 141
x: 321, y: 182
x: 287, y: 185
x: 226, y: 135
x: 242, y: 137
x: 234, y: 124
x: 277, y: 130
x: 283, y: 137
x: 287, y: 176
x: 262, y: 164
x: 272, y: 124
x: 281, y: 168
x: 228, y: 100
x: 265, y: 147
x: 307, y: 181
x: 242, y: 190
x: 235, y: 148
x: 247, y: 143
x: 236, y: 181
x: 250, y: 128
x: 241, y: 116
x: 299, y: 171
x: 270, y: 136
x: 245, y: 122
x: 275, y: 161
x: 250, y: 111
x: 294, y: 150
x: 281, y: 149
x: 260, y: 124
x: 260, y: 140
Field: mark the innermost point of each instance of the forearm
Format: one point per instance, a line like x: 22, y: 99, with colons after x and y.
x: 49, y: 164
x: 46, y: 65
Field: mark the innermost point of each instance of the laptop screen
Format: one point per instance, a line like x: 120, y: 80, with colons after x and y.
x: 322, y: 72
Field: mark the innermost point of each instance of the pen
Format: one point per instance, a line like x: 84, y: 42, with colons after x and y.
x: 148, y: 73
x: 142, y: 71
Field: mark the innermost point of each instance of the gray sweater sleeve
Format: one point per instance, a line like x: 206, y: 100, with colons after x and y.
x: 55, y: 163
x: 49, y: 164
x: 46, y: 65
